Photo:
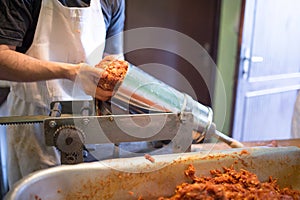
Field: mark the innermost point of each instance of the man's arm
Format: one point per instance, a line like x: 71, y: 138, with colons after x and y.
x: 15, y: 66
x: 18, y: 67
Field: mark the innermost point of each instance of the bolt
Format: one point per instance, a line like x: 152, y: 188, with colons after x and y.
x: 85, y: 153
x: 85, y: 121
x: 52, y: 124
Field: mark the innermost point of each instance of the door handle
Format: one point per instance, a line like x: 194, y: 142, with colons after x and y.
x: 257, y: 59
x: 246, y: 59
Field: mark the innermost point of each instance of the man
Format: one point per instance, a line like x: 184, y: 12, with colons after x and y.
x: 43, y: 45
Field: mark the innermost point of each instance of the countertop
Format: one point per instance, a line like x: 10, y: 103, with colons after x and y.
x: 270, y: 143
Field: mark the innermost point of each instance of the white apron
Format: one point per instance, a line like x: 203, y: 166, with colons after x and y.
x: 64, y: 35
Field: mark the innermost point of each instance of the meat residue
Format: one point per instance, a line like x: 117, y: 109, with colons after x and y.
x: 150, y: 158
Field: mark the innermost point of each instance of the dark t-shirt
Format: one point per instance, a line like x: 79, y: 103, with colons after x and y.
x: 18, y: 20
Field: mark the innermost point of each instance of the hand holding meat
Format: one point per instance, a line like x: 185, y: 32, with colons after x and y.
x: 114, y: 73
x: 101, y: 81
x: 88, y: 78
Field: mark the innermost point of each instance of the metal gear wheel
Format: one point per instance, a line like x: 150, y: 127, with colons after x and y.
x: 69, y: 138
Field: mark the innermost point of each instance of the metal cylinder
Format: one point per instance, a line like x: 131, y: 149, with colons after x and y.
x: 3, y: 154
x: 140, y: 92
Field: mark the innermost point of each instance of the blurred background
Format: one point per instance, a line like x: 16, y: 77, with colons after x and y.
x: 254, y: 45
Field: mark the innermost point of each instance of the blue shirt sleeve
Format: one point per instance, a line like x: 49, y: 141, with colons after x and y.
x: 114, y: 20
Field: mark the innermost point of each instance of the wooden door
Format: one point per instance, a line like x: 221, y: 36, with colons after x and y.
x: 268, y: 75
x: 198, y: 19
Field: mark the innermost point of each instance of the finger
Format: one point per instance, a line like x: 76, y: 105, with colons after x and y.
x: 89, y: 91
x: 110, y: 58
x: 102, y: 98
x: 103, y: 94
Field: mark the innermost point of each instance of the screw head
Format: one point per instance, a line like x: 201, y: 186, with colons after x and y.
x: 52, y: 124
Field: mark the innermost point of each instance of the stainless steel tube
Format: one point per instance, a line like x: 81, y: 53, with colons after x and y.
x: 141, y: 93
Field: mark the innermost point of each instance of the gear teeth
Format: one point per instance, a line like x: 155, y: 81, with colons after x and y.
x: 15, y: 120
x: 19, y: 123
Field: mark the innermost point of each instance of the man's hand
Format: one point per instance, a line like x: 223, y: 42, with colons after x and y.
x: 88, y: 78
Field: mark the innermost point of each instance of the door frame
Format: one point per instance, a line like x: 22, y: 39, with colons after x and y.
x: 238, y: 69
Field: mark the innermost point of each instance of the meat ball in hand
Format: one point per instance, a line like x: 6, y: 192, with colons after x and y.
x: 114, y: 72
x: 100, y: 81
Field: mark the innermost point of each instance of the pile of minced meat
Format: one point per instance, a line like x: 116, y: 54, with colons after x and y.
x: 230, y: 184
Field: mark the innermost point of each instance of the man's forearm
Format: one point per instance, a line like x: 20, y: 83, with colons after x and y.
x: 15, y: 66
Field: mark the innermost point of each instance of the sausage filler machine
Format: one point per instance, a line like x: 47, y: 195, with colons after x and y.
x: 141, y: 109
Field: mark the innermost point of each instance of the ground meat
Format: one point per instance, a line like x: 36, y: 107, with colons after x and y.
x: 230, y: 184
x: 149, y: 157
x: 114, y: 73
